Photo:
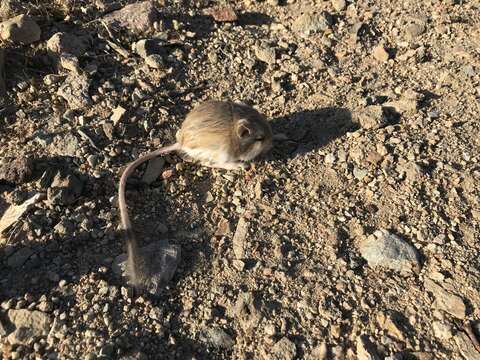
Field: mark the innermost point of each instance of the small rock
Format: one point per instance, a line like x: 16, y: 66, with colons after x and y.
x: 312, y: 22
x: 218, y: 338
x: 238, y: 264
x: 28, y: 326
x: 372, y: 117
x: 265, y: 53
x: 67, y: 43
x: 239, y: 237
x: 52, y: 79
x: 392, y: 324
x: 446, y: 301
x: 441, y: 330
x: 65, y: 189
x: 155, y: 61
x: 414, y: 30
x: 380, y: 54
x: 21, y: 29
x: 222, y: 14
x: 387, y: 250
x: 117, y: 114
x: 16, y: 170
x: 65, y: 145
x: 329, y: 158
x: 359, y: 173
x: 154, y: 168
x: 70, y: 62
x: 284, y: 349
x: 339, y: 5
x: 224, y: 227
x: 75, y: 91
x: 136, y: 17
x: 366, y: 350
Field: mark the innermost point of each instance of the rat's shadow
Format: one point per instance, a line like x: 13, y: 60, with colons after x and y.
x: 310, y: 130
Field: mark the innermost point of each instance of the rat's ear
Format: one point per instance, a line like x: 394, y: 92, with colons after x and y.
x: 243, y: 128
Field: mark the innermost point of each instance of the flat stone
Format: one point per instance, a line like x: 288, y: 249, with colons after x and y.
x: 136, y: 17
x: 446, y: 301
x: 21, y: 29
x: 239, y: 238
x: 384, y: 249
x: 75, y: 91
x: 28, y: 325
x: 154, y: 168
x: 67, y: 43
x: 222, y: 14
x: 312, y: 22
x: 265, y: 53
x: 15, y: 212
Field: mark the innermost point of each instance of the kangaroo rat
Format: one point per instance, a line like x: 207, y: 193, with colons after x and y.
x: 219, y: 134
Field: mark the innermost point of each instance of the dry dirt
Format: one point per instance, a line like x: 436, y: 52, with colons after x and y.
x: 357, y: 237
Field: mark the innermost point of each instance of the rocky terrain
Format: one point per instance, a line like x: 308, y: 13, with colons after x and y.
x: 357, y: 237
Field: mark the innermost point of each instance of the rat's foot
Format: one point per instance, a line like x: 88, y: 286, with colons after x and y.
x: 228, y: 165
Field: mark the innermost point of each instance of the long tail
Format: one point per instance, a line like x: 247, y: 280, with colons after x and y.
x: 134, y: 262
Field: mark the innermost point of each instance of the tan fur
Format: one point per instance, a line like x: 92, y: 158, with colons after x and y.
x: 217, y: 134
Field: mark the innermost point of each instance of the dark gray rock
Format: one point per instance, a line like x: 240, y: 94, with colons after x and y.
x: 384, y: 249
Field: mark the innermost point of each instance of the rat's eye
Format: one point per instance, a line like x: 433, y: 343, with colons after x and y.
x: 259, y: 139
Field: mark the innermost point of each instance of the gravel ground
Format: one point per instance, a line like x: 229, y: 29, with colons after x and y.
x: 357, y: 237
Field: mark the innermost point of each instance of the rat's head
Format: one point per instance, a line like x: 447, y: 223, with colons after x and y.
x: 254, y: 136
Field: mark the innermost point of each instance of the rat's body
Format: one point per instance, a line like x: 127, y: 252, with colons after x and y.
x: 217, y: 134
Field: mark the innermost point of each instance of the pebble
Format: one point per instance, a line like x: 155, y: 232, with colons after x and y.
x: 372, y: 117
x: 284, y: 349
x: 155, y: 61
x: 21, y: 29
x: 75, y: 91
x: 380, y: 54
x: 137, y: 17
x: 60, y: 43
x: 442, y: 330
x: 65, y: 188
x: 312, y: 22
x: 118, y: 114
x: 218, y: 338
x: 339, y: 5
x: 265, y: 53
x: 385, y: 249
x: 329, y: 158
